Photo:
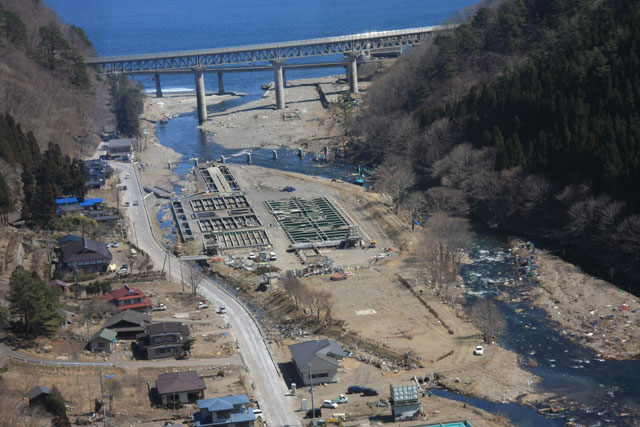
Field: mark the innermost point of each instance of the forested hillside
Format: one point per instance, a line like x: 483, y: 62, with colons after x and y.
x: 44, y: 84
x: 526, y: 117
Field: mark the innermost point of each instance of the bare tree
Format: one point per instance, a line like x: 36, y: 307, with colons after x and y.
x: 195, y: 276
x: 445, y: 242
x: 294, y: 287
x: 317, y: 301
x: 395, y: 177
x: 416, y: 205
x: 448, y: 200
x: 488, y: 318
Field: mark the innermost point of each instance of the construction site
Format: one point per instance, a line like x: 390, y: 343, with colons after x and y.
x: 225, y: 220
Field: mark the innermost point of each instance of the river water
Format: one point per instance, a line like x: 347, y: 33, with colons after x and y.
x: 605, y: 392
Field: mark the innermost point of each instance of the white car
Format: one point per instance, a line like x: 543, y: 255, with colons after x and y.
x: 252, y: 256
x: 329, y: 404
x: 159, y: 307
x: 479, y: 351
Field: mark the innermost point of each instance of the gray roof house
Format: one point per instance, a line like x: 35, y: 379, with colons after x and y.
x: 164, y: 339
x: 180, y: 386
x: 128, y: 323
x: 317, y: 360
x: 84, y: 254
x: 119, y: 147
x: 38, y: 395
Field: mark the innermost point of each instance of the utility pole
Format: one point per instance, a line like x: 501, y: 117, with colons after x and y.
x: 313, y: 407
x: 104, y: 409
x: 169, y: 259
x: 181, y: 277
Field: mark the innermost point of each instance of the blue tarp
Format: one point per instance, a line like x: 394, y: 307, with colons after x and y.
x: 66, y: 201
x: 90, y: 202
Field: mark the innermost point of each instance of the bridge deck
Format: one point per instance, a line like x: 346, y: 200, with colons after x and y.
x: 268, y: 52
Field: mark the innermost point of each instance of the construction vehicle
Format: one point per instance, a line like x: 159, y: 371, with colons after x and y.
x: 373, y: 243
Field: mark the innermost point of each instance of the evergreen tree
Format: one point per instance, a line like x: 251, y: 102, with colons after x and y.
x: 56, y: 405
x: 34, y: 302
x: 6, y: 201
x: 502, y: 157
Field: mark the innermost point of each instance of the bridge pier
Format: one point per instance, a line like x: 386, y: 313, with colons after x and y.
x: 220, y: 84
x: 158, y: 85
x: 352, y: 73
x: 200, y: 95
x: 278, y: 79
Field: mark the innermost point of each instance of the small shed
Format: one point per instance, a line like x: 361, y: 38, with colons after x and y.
x: 62, y: 286
x: 103, y: 340
x: 38, y: 395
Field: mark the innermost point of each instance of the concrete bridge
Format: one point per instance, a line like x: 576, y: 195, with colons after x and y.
x: 222, y: 60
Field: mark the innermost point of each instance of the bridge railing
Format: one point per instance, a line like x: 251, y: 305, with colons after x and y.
x: 264, y: 53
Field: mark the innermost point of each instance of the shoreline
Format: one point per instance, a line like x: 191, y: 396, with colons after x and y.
x: 590, y: 312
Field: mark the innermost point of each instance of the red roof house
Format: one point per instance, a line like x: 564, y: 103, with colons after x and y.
x: 127, y: 298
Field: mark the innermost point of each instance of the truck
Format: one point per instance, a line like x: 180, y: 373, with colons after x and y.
x: 341, y: 399
x: 202, y: 305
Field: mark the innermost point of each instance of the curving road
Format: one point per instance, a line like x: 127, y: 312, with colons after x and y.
x: 270, y: 387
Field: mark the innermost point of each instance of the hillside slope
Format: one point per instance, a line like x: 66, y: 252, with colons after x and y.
x: 44, y: 84
x: 527, y: 117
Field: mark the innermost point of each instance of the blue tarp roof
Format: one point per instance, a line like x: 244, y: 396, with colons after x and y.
x: 66, y: 200
x: 91, y: 202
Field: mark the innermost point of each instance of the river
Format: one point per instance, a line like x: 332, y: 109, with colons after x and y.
x: 602, y: 390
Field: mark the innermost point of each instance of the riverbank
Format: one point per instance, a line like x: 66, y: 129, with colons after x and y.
x: 496, y: 376
x: 590, y: 311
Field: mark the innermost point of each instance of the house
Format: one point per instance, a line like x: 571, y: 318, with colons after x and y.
x: 225, y: 411
x: 319, y: 359
x: 103, y: 340
x: 128, y: 323
x: 164, y: 339
x: 60, y: 285
x: 405, y: 404
x: 98, y: 171
x: 38, y: 395
x: 127, y: 298
x: 118, y: 148
x: 180, y: 386
x: 84, y: 254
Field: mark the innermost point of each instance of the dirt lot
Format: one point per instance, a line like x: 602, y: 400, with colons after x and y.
x: 590, y: 311
x: 131, y: 403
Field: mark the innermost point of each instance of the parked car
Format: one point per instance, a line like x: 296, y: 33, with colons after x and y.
x: 273, y: 256
x: 222, y: 309
x: 128, y: 175
x: 123, y: 272
x: 257, y: 413
x: 114, y: 244
x: 355, y: 389
x: 252, y: 255
x: 202, y: 305
x: 159, y: 307
x: 329, y: 404
x: 479, y: 351
x: 369, y: 392
x: 317, y: 412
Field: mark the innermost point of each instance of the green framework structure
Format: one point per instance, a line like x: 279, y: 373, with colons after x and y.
x: 309, y: 221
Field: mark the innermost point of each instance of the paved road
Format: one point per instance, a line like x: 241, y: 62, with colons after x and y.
x: 270, y: 387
